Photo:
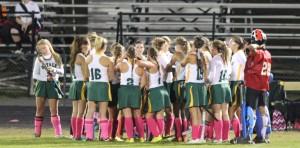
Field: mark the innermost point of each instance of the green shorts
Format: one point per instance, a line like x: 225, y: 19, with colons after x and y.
x: 179, y: 90
x: 156, y: 99
x: 98, y: 91
x: 168, y: 99
x: 129, y: 97
x: 196, y: 95
x: 237, y: 93
x: 220, y: 93
x: 48, y: 89
x: 77, y: 90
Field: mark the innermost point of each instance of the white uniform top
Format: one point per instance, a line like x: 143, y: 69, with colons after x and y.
x: 192, y: 75
x: 164, y: 59
x: 238, y: 62
x: 31, y: 6
x: 98, y: 72
x: 218, y: 72
x: 155, y: 80
x: 180, y: 71
x: 77, y: 73
x: 40, y: 71
x: 130, y: 77
x: 207, y: 55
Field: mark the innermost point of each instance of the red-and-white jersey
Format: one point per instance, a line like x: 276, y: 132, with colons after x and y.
x: 257, y: 70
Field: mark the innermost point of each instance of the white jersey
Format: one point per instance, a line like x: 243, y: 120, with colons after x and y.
x: 77, y: 73
x: 164, y: 59
x: 193, y: 74
x: 130, y: 77
x: 238, y: 62
x: 98, y: 72
x: 155, y: 80
x: 219, y: 72
x: 180, y: 71
x: 40, y: 69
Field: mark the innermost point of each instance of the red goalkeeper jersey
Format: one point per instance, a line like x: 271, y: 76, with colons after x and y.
x: 257, y: 70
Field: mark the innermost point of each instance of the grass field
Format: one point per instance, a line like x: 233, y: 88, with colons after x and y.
x: 23, y: 137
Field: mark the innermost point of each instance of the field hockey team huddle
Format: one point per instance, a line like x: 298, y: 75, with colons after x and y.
x: 191, y: 90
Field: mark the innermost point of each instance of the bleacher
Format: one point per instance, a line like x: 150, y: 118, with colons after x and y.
x: 63, y: 19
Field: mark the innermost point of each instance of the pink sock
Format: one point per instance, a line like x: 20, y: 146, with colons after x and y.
x: 218, y: 126
x: 225, y: 130
x: 129, y: 127
x: 110, y: 127
x: 79, y: 127
x: 210, y: 130
x: 38, y: 121
x: 73, y: 126
x: 178, y: 126
x: 185, y: 124
x: 152, y: 125
x: 89, y: 129
x: 195, y: 132
x: 161, y: 125
x: 104, y: 128
x: 236, y: 126
x: 169, y: 124
x: 200, y: 132
x: 139, y: 122
x: 55, y: 120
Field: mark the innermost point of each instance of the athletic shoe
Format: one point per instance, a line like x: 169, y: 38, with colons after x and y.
x: 142, y: 140
x: 118, y: 139
x: 130, y: 140
x: 156, y: 139
x: 193, y: 141
x: 201, y: 141
x: 218, y: 141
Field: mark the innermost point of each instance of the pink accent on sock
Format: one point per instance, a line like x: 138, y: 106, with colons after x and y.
x: 225, y: 130
x: 110, y: 127
x: 73, y: 126
x: 89, y: 129
x: 104, y: 128
x: 55, y: 120
x: 79, y: 127
x: 218, y: 126
x: 38, y: 122
x: 152, y: 125
x: 236, y: 127
x: 195, y: 132
x: 185, y: 124
x: 139, y: 123
x: 178, y: 126
x: 129, y: 127
x: 161, y: 126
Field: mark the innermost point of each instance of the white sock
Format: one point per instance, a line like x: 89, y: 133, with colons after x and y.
x: 265, y: 126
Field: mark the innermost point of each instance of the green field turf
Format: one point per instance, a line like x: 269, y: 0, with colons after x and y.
x: 17, y: 137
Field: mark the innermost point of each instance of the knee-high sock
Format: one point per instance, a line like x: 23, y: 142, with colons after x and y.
x: 218, y: 126
x: 89, y: 129
x: 110, y: 127
x: 55, y: 120
x: 73, y: 126
x: 104, y: 128
x: 139, y: 122
x: 152, y: 125
x: 225, y: 130
x: 169, y: 124
x: 201, y: 127
x: 114, y: 128
x: 236, y: 126
x: 185, y: 124
x: 129, y: 127
x: 195, y: 132
x: 264, y: 126
x: 210, y: 130
x: 38, y: 122
x: 79, y: 127
x: 178, y: 126
x: 161, y: 125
